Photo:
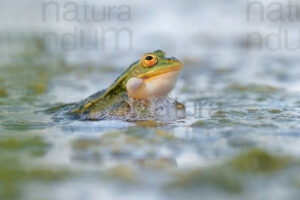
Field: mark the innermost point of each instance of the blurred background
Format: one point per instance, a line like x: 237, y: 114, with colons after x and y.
x: 240, y: 84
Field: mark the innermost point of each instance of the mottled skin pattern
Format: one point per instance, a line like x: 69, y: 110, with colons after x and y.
x: 113, y: 101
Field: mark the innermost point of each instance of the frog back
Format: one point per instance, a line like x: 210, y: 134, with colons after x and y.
x: 105, y: 101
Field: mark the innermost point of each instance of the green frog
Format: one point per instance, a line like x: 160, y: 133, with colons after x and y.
x: 152, y: 77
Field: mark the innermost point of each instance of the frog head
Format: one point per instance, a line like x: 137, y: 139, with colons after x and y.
x: 153, y: 76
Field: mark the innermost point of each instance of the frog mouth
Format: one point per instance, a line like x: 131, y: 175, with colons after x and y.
x: 151, y: 74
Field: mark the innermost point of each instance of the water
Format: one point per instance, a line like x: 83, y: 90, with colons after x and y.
x: 240, y: 139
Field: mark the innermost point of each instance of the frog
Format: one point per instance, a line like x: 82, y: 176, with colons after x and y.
x: 151, y: 77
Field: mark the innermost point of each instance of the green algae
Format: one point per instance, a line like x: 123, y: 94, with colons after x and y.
x: 123, y: 145
x: 165, y: 134
x: 231, y: 175
x: 199, y: 123
x: 274, y: 111
x: 38, y: 87
x: 30, y: 72
x: 157, y: 164
x: 33, y: 145
x: 85, y: 143
x: 262, y: 89
x: 252, y: 109
x: 16, y: 171
x: 219, y: 113
x: 19, y: 173
x: 227, y: 122
x: 23, y: 125
x: 200, y: 178
x: 219, y: 122
x: 114, y: 139
x: 122, y: 173
x: 149, y: 123
x: 15, y: 177
x: 259, y: 161
x: 3, y: 92
x: 48, y: 174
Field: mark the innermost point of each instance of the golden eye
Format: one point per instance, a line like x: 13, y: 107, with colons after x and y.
x: 149, y: 60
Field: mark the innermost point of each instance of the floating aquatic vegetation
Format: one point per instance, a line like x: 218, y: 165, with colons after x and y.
x: 259, y: 161
x: 121, y: 172
x: 264, y: 89
x: 232, y: 175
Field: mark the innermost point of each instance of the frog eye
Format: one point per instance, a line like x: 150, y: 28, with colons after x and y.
x: 149, y: 60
